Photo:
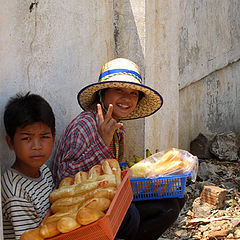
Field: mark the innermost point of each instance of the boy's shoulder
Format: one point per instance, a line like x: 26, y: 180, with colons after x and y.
x: 11, y: 180
x: 15, y: 184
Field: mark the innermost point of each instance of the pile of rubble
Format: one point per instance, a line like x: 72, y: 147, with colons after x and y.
x: 212, y: 209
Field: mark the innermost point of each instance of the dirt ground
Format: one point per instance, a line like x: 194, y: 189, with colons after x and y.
x: 223, y: 223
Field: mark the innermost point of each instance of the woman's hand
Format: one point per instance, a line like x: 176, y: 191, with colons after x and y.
x: 108, y: 125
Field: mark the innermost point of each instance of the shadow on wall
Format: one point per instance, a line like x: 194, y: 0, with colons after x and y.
x: 127, y: 31
x: 129, y: 24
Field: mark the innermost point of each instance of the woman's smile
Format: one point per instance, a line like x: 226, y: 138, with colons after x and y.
x: 124, y: 101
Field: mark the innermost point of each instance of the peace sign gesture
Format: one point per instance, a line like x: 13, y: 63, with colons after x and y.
x: 108, y: 125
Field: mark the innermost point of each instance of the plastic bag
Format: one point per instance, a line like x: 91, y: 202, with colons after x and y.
x: 170, y: 162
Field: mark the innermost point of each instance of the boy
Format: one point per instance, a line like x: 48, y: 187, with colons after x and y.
x: 30, y: 127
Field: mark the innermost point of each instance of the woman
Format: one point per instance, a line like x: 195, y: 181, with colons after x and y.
x: 97, y: 133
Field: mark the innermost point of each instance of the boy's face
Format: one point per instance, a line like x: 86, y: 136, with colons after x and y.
x: 124, y: 101
x: 32, y: 146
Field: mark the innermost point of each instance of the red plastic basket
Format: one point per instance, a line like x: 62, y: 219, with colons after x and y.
x: 105, y: 228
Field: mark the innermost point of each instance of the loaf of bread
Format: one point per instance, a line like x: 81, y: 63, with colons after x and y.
x: 48, y: 230
x: 67, y: 181
x: 107, y: 180
x: 67, y: 224
x: 173, y: 166
x: 98, y: 203
x: 108, y: 193
x: 170, y: 162
x: 58, y: 215
x: 158, y: 165
x: 80, y: 200
x: 65, y: 203
x: 86, y: 215
x: 111, y: 166
x: 31, y: 234
x: 80, y: 177
x: 95, y: 172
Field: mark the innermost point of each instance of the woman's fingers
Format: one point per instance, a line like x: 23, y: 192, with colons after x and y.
x: 108, y: 125
x: 100, y: 114
x: 113, y: 125
x: 108, y: 116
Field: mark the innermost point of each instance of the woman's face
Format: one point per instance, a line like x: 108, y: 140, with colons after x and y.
x: 124, y: 101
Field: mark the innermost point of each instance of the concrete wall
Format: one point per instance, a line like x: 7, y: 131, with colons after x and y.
x: 54, y: 50
x: 209, y: 68
x: 129, y: 36
x: 161, y: 62
x: 188, y: 50
x: 147, y: 33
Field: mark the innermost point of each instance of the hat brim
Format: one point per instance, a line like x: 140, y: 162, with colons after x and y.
x: 151, y: 102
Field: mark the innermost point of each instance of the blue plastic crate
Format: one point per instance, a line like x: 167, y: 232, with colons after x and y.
x: 171, y: 186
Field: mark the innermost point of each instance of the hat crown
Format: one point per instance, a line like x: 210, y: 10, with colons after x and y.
x: 120, y: 69
x: 120, y: 63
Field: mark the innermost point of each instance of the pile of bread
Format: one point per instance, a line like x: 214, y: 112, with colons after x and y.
x: 79, y: 201
x: 173, y: 161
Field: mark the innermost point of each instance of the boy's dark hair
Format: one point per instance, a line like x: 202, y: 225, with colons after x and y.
x: 22, y: 110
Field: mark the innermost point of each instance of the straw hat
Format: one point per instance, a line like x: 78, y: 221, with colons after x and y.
x: 122, y: 73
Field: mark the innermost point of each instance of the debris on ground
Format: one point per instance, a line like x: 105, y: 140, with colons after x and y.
x: 217, y: 217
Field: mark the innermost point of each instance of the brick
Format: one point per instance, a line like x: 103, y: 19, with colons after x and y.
x: 213, y: 195
x: 219, y: 233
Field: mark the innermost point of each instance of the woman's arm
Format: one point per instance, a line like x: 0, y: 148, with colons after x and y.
x: 80, y: 148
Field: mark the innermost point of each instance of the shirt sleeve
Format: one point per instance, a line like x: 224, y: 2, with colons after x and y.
x: 81, y: 149
x: 19, y: 215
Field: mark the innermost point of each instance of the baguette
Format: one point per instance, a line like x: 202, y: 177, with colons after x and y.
x: 107, y: 180
x: 64, y: 203
x: 86, y: 215
x: 66, y: 208
x: 67, y: 224
x: 58, y: 215
x: 169, y: 156
x: 67, y: 181
x: 95, y: 172
x: 31, y: 234
x: 108, y: 193
x: 48, y: 230
x: 80, y: 177
x: 106, y: 167
x: 168, y: 167
x: 111, y: 166
x: 170, y: 162
x: 98, y: 203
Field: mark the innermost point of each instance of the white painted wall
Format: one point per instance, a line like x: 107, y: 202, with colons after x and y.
x: 161, y: 61
x: 129, y: 35
x: 209, y: 68
x: 188, y: 50
x: 147, y: 33
x: 54, y: 51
